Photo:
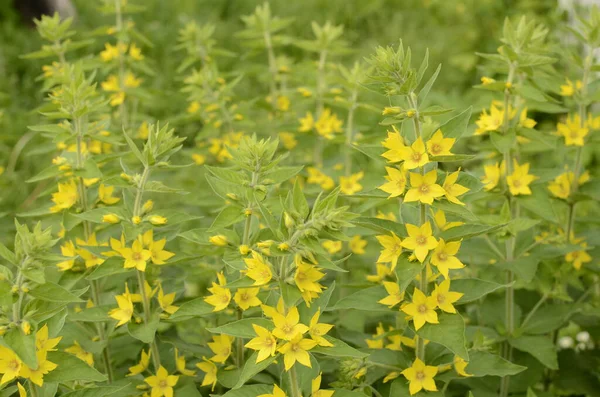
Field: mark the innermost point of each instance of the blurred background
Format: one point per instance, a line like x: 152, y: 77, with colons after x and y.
x: 452, y: 30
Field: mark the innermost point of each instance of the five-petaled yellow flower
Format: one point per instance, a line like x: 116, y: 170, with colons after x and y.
x: 423, y: 188
x: 420, y: 377
x: 277, y: 392
x: 350, y: 184
x: 452, y: 189
x: 316, y: 330
x: 125, y: 310
x: 221, y: 346
x: 392, y: 248
x: 210, y: 372
x: 573, y: 131
x: 396, y: 182
x: 297, y: 349
x: 395, y: 296
x: 142, y: 365
x: 136, y: 256
x: 444, y: 297
x: 421, y: 309
x: 414, y: 156
x: 288, y: 326
x: 420, y: 240
x: 220, y: 295
x: 519, y: 181
x: 443, y: 257
x: 440, y: 146
x: 162, y: 383
x: 264, y: 342
x: 492, y: 176
x: 247, y: 298
x: 395, y: 145
x: 259, y: 269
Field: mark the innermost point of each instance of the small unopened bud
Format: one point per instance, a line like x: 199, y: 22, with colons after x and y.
x: 232, y: 196
x: 147, y: 207
x: 3, y: 329
x: 125, y: 176
x: 566, y: 342
x: 244, y: 249
x: 157, y: 220
x: 283, y: 246
x: 111, y: 218
x: 26, y: 327
x: 583, y: 337
x: 288, y: 220
x: 26, y: 290
x: 248, y: 211
x: 218, y: 240
x: 136, y: 220
x: 410, y: 113
x: 390, y: 110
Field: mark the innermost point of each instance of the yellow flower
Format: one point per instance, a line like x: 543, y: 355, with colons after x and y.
x: 444, y: 297
x: 111, y: 218
x: 377, y: 341
x: 453, y: 189
x: 307, y: 276
x: 162, y: 383
x: 218, y: 240
x: 392, y: 248
x: 157, y: 220
x: 105, y: 194
x: 199, y: 159
x: 332, y: 247
x: 444, y: 258
x: 390, y: 216
x: 414, y: 156
x: 180, y: 365
x: 81, y: 354
x: 143, y: 131
x: 396, y: 182
x: 288, y: 327
x: 316, y: 388
x: 66, y: 197
x: 460, y: 366
x: 111, y: 84
x: 112, y: 52
x: 220, y: 295
x: 382, y: 271
x: 135, y: 52
x: 305, y: 92
x: 210, y: 370
x: 10, y: 365
x: 131, y: 81
x: 391, y: 110
x: 193, y: 107
x: 117, y: 99
x: 572, y: 131
x: 67, y: 250
x: 440, y: 221
x: 306, y: 123
x: 247, y: 298
x: 288, y: 140
x: 420, y: 377
x: 316, y: 330
x: 578, y: 258
x: 487, y: 80
x: 158, y: 254
x: 221, y: 346
x: 317, y: 177
x: 395, y: 145
x: 22, y: 391
x: 490, y: 121
x: 125, y: 311
x: 283, y: 103
x: 421, y: 309
x: 394, y: 295
x: 43, y: 343
x: 569, y: 88
x: 259, y: 269
x: 296, y: 350
x: 492, y: 176
x: 136, y: 256
x: 277, y: 392
x: 166, y: 301
x: 357, y: 245
x: 420, y: 240
x: 349, y: 184
x: 440, y: 146
x: 142, y: 365
x: 36, y: 376
x: 423, y: 188
x: 561, y: 185
x: 328, y: 124
x: 518, y: 182
x: 264, y: 342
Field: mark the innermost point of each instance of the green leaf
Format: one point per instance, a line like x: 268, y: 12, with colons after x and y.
x: 144, y: 331
x: 54, y: 293
x: 23, y: 345
x: 382, y: 226
x: 540, y: 203
x: 427, y: 87
x: 194, y: 308
x: 227, y: 217
x: 365, y: 299
x: 339, y: 349
x: 540, y: 347
x: 299, y: 200
x: 468, y: 231
x: 280, y: 175
x: 242, y: 328
x: 70, y: 368
x: 134, y: 148
x: 7, y: 254
x: 474, y: 288
x: 457, y: 125
x: 46, y: 173
x: 503, y: 142
x: 484, y: 363
x: 524, y: 267
x: 549, y: 318
x: 450, y: 332
x: 250, y: 391
x: 251, y: 368
x: 407, y: 271
x: 227, y: 174
x: 103, y: 391
x: 452, y: 158
x: 109, y: 267
x: 91, y: 315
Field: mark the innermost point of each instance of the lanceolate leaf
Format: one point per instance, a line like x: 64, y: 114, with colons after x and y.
x: 540, y: 347
x: 473, y: 288
x: 450, y: 332
x: 482, y: 363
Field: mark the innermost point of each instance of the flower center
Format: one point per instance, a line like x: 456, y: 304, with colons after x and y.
x: 436, y: 148
x: 421, y: 240
x: 162, y: 384
x: 416, y: 157
x: 442, y: 256
x: 136, y: 256
x: 420, y: 375
x: 422, y: 308
x: 441, y: 298
x: 424, y: 188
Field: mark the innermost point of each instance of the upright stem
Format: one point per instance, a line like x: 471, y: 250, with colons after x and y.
x: 509, y: 298
x: 119, y: 27
x: 321, y: 88
x: 141, y: 276
x: 87, y: 231
x: 350, y: 133
x: 272, y: 67
x: 294, y: 382
x: 16, y: 311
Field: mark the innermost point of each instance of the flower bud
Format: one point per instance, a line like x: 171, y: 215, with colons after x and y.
x: 147, y: 207
x: 136, y: 220
x: 110, y: 218
x: 157, y: 220
x: 218, y: 240
x: 26, y: 327
x: 288, y: 220
x: 244, y: 249
x: 391, y: 110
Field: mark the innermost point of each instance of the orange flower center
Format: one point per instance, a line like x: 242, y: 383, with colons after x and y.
x: 422, y: 309
x: 421, y: 240
x: 436, y: 148
x: 420, y: 375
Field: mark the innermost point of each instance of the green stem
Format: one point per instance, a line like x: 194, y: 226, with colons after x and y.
x: 272, y: 67
x: 350, y: 134
x: 17, y: 305
x: 141, y: 276
x: 119, y: 28
x: 140, y: 191
x: 33, y: 389
x: 534, y: 309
